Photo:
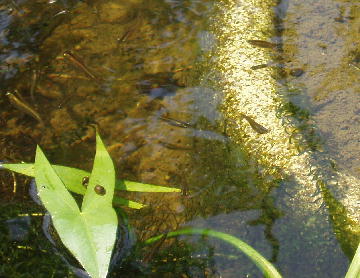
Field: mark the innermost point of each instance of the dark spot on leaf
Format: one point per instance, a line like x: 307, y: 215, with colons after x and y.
x: 85, y: 181
x: 100, y: 190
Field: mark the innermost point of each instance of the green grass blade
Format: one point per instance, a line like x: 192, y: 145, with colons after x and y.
x: 265, y: 266
x: 354, y: 269
x: 124, y: 202
x: 142, y: 187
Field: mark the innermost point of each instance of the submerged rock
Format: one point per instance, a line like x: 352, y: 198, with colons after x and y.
x: 18, y: 228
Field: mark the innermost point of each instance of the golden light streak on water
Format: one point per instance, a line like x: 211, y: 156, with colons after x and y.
x: 255, y: 93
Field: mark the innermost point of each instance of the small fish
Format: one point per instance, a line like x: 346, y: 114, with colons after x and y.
x: 354, y: 65
x: 183, y: 69
x: 173, y: 147
x: 263, y: 44
x: 77, y: 61
x: 65, y: 76
x: 23, y: 106
x: 261, y: 66
x: 34, y: 78
x: 185, y: 190
x: 126, y: 35
x: 175, y: 122
x: 16, y: 7
x: 100, y: 190
x: 255, y: 126
x: 132, y: 29
x: 269, y: 64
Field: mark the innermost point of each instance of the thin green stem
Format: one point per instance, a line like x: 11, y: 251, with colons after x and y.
x: 354, y: 269
x: 265, y: 266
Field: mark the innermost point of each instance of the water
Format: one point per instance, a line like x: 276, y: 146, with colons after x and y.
x: 152, y: 60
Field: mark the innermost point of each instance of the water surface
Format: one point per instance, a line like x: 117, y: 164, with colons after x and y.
x: 150, y: 61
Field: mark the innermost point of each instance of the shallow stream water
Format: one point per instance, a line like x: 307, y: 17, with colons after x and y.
x: 147, y: 74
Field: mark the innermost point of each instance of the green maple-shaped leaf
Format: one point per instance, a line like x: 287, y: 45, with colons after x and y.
x: 88, y: 233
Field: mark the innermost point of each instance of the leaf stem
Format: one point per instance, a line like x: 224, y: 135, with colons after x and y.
x: 264, y: 265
